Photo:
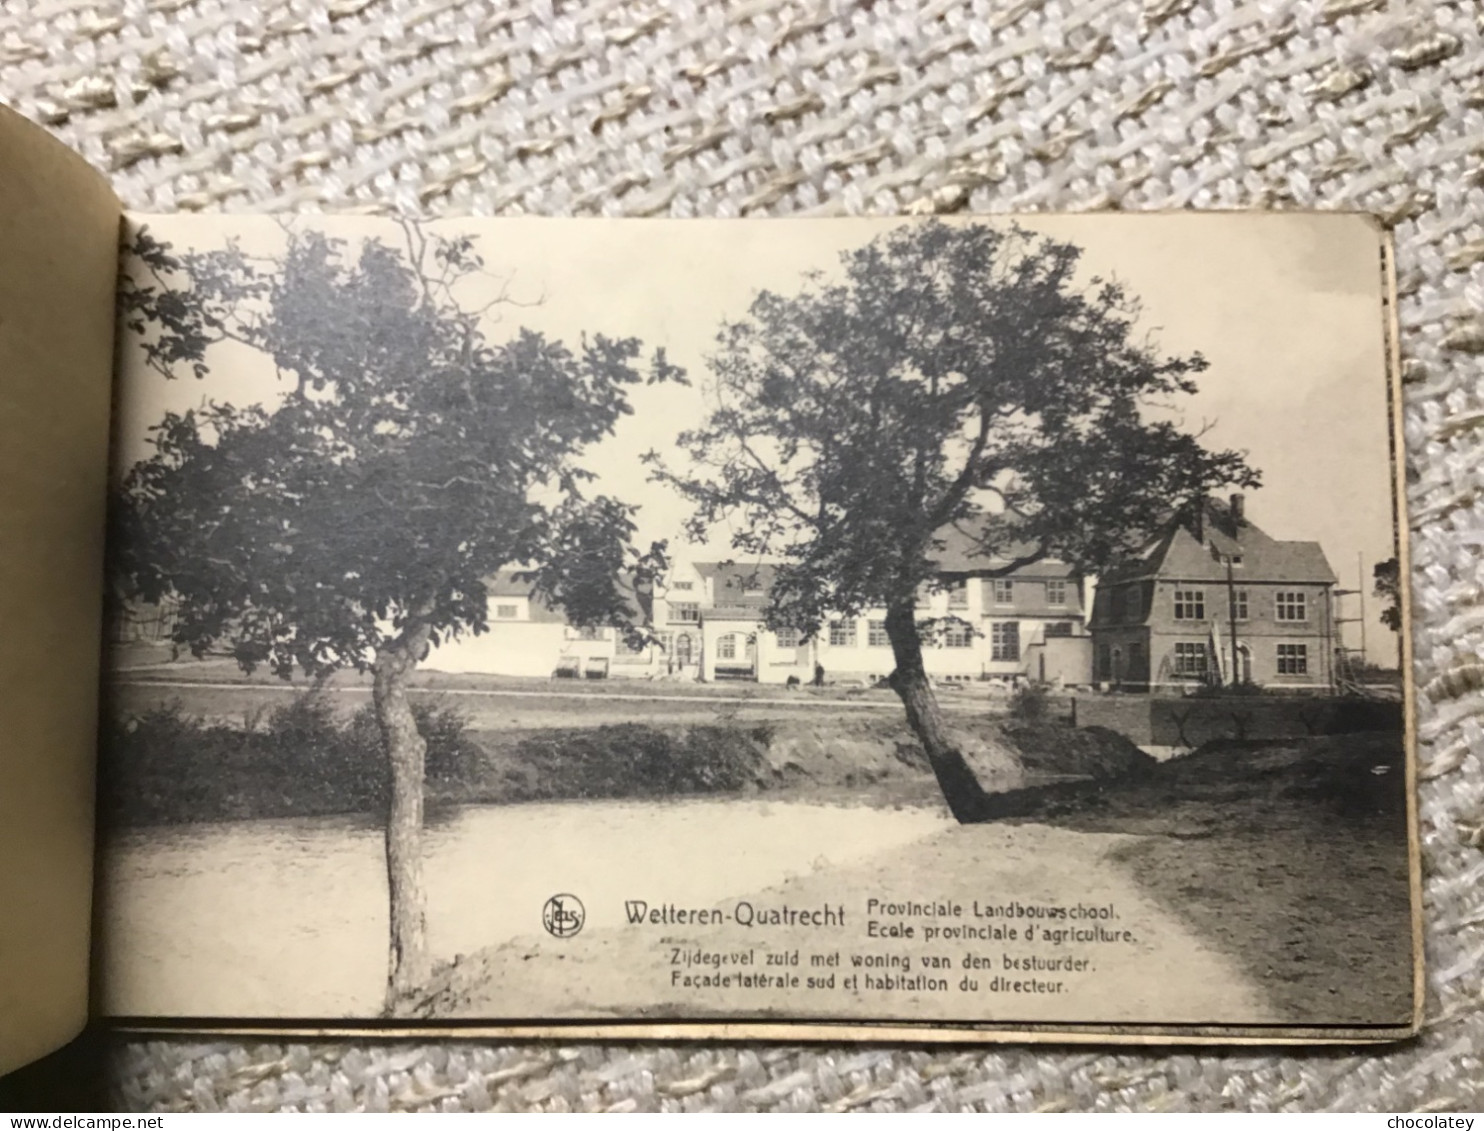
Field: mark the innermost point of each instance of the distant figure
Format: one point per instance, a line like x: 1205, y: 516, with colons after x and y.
x: 818, y: 675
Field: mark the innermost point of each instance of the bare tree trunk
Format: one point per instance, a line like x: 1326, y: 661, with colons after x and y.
x: 409, y: 964
x: 966, y: 798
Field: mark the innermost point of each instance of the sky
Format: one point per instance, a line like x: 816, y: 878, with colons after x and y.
x: 1286, y: 308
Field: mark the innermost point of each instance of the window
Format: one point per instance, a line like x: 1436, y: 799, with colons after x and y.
x: 507, y: 612
x: 726, y: 647
x: 1239, y: 604
x: 682, y: 586
x: 958, y: 595
x: 1004, y: 641
x: 789, y: 637
x: 1293, y: 659
x: 1004, y: 591
x: 1056, y: 592
x: 1291, y: 605
x: 1059, y: 628
x: 1133, y: 604
x: 590, y: 632
x: 842, y: 633
x: 958, y: 635
x: 876, y: 634
x: 1190, y: 604
x: 685, y: 610
x: 924, y: 597
x: 1190, y: 659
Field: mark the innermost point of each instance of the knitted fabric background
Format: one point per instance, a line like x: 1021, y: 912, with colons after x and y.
x: 631, y: 107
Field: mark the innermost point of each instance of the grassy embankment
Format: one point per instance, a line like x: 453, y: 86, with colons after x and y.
x: 319, y: 753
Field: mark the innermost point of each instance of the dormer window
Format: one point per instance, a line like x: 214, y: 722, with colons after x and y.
x: 1133, y: 604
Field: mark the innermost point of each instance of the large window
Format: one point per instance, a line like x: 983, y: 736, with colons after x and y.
x: 1004, y: 641
x: 1291, y: 605
x: 1293, y: 659
x: 1056, y: 592
x: 726, y: 647
x: 685, y: 610
x: 842, y: 633
x: 1004, y: 591
x: 958, y: 635
x: 1190, y: 659
x: 1059, y: 628
x: 1239, y: 603
x: 958, y: 595
x: 876, y: 634
x: 789, y: 637
x: 1190, y: 604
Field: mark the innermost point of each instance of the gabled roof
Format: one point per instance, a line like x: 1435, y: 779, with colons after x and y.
x: 963, y: 552
x: 508, y: 583
x: 1194, y: 547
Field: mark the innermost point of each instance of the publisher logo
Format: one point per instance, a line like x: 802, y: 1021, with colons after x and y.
x: 563, y: 916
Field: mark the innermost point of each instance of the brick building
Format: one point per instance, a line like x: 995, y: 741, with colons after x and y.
x: 1214, y: 599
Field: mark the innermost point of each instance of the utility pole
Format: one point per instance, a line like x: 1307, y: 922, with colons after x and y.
x: 1231, y: 612
x: 1360, y: 589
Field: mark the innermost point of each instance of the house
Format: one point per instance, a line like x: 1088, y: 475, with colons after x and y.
x: 527, y: 637
x: 1213, y: 599
x: 1029, y: 623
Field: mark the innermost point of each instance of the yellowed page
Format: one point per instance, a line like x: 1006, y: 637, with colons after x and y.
x: 59, y: 235
x: 1194, y: 828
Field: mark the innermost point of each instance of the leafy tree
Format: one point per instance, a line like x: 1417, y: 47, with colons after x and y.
x: 1387, y: 576
x: 950, y: 376
x: 352, y: 524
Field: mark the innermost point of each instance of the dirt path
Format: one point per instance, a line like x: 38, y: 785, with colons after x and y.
x: 1100, y: 949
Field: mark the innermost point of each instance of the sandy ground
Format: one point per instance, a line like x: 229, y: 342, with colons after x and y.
x: 1137, y: 962
x: 1258, y: 883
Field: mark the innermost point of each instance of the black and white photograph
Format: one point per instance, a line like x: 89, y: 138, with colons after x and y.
x: 992, y: 621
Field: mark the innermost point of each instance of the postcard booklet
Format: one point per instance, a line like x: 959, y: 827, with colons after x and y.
x: 910, y: 628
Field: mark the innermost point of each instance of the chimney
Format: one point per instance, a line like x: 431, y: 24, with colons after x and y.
x: 1198, y: 518
x: 1238, y: 511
